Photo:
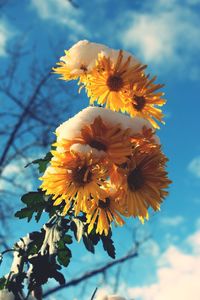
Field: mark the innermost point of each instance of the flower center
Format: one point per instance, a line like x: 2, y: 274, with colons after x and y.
x: 82, y: 176
x: 104, y: 204
x: 115, y: 83
x: 139, y: 102
x: 135, y: 179
x: 83, y: 68
x: 97, y: 145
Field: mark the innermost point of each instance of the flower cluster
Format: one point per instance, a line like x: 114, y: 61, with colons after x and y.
x: 113, y: 78
x: 107, y: 164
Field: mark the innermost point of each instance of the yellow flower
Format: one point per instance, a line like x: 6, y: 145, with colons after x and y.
x: 142, y: 180
x: 108, y: 79
x: 102, y: 213
x: 65, y: 73
x: 79, y: 60
x: 142, y: 98
x: 74, y: 179
x: 112, y: 142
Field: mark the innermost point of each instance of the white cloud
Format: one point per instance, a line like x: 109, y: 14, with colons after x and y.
x: 195, y: 241
x: 5, y: 34
x: 16, y: 176
x: 60, y: 11
x: 172, y: 221
x: 166, y: 34
x: 178, y: 275
x: 106, y: 293
x: 12, y: 169
x: 194, y: 166
x: 150, y: 248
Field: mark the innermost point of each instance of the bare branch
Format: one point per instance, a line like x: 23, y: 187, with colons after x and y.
x: 21, y: 119
x: 130, y: 255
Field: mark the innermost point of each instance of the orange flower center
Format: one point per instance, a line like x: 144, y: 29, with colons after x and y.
x: 83, y: 68
x: 135, y: 179
x: 104, y: 204
x: 98, y: 145
x: 139, y: 102
x: 115, y: 83
x: 82, y: 176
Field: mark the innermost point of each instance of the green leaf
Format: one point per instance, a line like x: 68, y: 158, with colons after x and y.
x: 67, y: 239
x: 25, y: 213
x: 37, y: 241
x: 42, y: 162
x: 2, y: 283
x: 108, y: 245
x: 88, y: 243
x: 77, y: 227
x: 35, y: 203
x: 94, y: 237
x: 64, y: 253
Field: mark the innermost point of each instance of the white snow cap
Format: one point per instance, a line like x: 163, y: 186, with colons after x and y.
x: 22, y: 244
x: 6, y: 295
x: 84, y: 149
x: 113, y: 55
x: 52, y: 236
x: 82, y: 56
x: 72, y: 127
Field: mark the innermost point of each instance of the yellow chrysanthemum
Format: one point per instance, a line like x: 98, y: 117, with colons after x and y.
x: 142, y: 180
x: 146, y: 139
x: 65, y: 72
x: 79, y: 60
x: 74, y: 179
x: 107, y: 81
x: 111, y: 140
x: 142, y: 98
x: 102, y: 213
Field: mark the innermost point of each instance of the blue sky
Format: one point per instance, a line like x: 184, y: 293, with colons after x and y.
x: 165, y: 35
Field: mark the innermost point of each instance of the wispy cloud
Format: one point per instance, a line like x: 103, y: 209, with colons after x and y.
x: 151, y: 248
x: 13, y: 176
x: 172, y: 221
x: 166, y: 33
x: 59, y: 11
x: 194, y: 239
x: 178, y: 275
x: 5, y: 35
x: 194, y: 166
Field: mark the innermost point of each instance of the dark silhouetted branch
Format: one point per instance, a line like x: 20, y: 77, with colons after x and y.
x: 130, y: 255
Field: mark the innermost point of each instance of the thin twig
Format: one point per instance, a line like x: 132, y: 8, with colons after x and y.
x: 94, y: 293
x: 130, y: 255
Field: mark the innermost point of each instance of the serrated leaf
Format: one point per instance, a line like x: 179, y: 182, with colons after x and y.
x: 25, y: 213
x: 2, y: 283
x: 37, y: 240
x: 59, y: 277
x: 33, y: 198
x: 67, y: 239
x: 88, y: 243
x: 108, y: 245
x: 77, y: 227
x: 94, y: 237
x: 35, y: 204
x: 63, y: 254
x: 42, y: 162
